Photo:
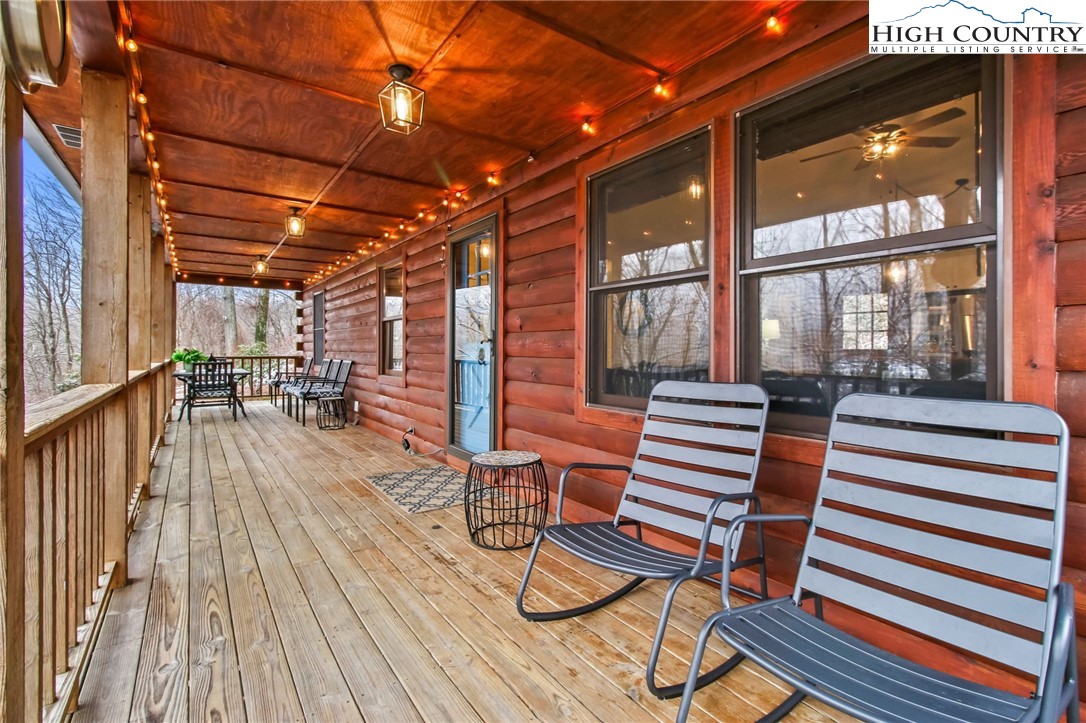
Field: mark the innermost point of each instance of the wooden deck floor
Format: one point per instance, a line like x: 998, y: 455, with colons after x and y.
x: 270, y: 581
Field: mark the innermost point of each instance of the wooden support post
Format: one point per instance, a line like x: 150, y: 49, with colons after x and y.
x: 12, y: 512
x: 139, y: 332
x: 159, y: 351
x: 170, y: 303
x: 105, y: 285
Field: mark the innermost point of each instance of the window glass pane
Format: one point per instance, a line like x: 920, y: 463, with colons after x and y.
x: 647, y: 335
x: 651, y: 216
x: 909, y: 325
x: 884, y: 158
x: 393, y: 292
x: 393, y: 345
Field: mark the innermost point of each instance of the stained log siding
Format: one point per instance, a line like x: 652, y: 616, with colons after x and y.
x: 537, y: 325
x: 1071, y: 310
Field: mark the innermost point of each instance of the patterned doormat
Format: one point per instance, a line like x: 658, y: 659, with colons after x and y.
x: 422, y: 490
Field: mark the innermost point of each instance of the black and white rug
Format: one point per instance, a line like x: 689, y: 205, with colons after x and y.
x: 422, y: 490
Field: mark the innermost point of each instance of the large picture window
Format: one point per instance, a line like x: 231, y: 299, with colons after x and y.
x: 648, y: 278
x: 391, y: 302
x: 869, y: 233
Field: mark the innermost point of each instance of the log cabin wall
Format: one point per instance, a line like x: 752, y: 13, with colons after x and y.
x: 539, y: 241
x: 1071, y: 308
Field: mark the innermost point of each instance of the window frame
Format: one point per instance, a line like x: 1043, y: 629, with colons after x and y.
x: 384, y: 325
x: 986, y: 233
x: 589, y: 356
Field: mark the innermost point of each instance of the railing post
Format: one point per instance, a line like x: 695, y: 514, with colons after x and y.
x: 105, y: 285
x: 159, y: 350
x: 12, y: 512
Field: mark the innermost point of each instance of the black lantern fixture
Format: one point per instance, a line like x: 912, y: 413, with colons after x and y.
x: 260, y: 266
x: 295, y: 224
x: 401, y: 104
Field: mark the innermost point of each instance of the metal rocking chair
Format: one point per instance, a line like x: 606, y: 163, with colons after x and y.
x: 693, y: 471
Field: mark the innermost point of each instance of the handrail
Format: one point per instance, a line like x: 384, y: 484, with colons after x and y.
x: 48, y: 417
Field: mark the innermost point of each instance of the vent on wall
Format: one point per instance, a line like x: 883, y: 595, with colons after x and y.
x: 69, y: 136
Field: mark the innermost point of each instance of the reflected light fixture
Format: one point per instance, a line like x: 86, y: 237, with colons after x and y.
x: 401, y: 103
x: 260, y: 266
x: 695, y: 188
x: 484, y: 249
x: 295, y: 223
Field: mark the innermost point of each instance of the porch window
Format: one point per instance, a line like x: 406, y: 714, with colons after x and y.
x: 868, y: 238
x: 391, y: 307
x: 648, y: 278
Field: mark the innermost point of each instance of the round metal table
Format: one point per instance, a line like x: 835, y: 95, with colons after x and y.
x: 505, y: 499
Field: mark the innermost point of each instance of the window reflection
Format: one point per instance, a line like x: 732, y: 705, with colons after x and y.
x: 910, y: 325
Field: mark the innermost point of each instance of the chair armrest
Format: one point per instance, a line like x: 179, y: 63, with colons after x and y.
x: 579, y: 465
x: 710, y: 518
x: 731, y: 540
x: 1062, y: 664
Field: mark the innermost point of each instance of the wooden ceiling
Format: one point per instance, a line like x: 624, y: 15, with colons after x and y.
x: 258, y: 107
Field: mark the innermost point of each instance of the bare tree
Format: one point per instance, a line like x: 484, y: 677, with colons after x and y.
x: 52, y: 241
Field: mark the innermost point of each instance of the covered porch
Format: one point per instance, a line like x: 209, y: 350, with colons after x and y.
x: 250, y: 570
x: 270, y: 580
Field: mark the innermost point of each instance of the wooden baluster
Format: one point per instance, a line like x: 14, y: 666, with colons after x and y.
x: 60, y: 567
x: 49, y: 580
x: 81, y: 503
x: 32, y: 580
x: 70, y: 490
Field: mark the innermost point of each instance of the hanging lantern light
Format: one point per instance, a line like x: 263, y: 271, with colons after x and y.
x: 401, y: 104
x: 295, y: 223
x: 695, y: 187
x: 260, y: 266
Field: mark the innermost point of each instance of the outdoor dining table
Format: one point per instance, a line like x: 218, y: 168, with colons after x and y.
x: 236, y: 375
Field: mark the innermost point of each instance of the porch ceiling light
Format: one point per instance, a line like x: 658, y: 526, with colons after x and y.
x: 260, y: 266
x: 401, y: 104
x: 295, y: 223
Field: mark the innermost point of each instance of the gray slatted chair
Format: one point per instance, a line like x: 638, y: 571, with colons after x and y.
x: 931, y: 517
x: 334, y: 386
x: 276, y: 382
x: 693, y: 471
x: 289, y: 387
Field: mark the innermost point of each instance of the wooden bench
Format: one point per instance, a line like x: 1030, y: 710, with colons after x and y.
x: 941, y: 517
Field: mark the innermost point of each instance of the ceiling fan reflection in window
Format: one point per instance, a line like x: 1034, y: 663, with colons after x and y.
x: 886, y: 139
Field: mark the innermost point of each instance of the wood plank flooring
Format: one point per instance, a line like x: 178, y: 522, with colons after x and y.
x: 269, y: 581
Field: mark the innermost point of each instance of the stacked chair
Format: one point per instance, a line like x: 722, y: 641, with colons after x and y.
x: 275, y: 384
x: 332, y: 382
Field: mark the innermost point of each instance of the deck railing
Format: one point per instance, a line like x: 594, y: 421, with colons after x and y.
x: 262, y: 369
x: 78, y: 510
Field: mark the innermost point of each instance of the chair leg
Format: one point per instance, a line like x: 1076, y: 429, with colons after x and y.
x: 673, y: 691
x: 571, y: 612
x: 303, y: 402
x: 695, y: 665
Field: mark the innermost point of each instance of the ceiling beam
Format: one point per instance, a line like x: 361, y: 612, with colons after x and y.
x: 192, y: 237
x: 287, y: 199
x: 582, y: 38
x: 457, y: 32
x: 310, y: 87
x: 217, y: 217
x: 199, y: 255
x: 159, y: 131
x: 210, y: 279
x: 236, y: 269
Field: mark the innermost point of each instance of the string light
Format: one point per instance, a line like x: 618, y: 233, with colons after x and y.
x: 587, y: 127
x: 773, y: 24
x: 141, y: 98
x: 130, y: 45
x: 661, y: 90
x: 149, y: 135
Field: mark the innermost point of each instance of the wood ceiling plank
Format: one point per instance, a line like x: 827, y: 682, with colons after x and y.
x: 587, y: 39
x: 554, y: 80
x: 689, y: 32
x: 249, y: 109
x: 435, y: 151
x: 193, y: 161
x: 240, y: 230
x: 192, y: 256
x: 235, y: 269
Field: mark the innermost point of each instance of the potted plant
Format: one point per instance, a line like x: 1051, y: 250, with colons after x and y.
x: 188, y: 357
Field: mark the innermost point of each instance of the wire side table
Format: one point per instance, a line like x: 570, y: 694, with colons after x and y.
x: 505, y: 499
